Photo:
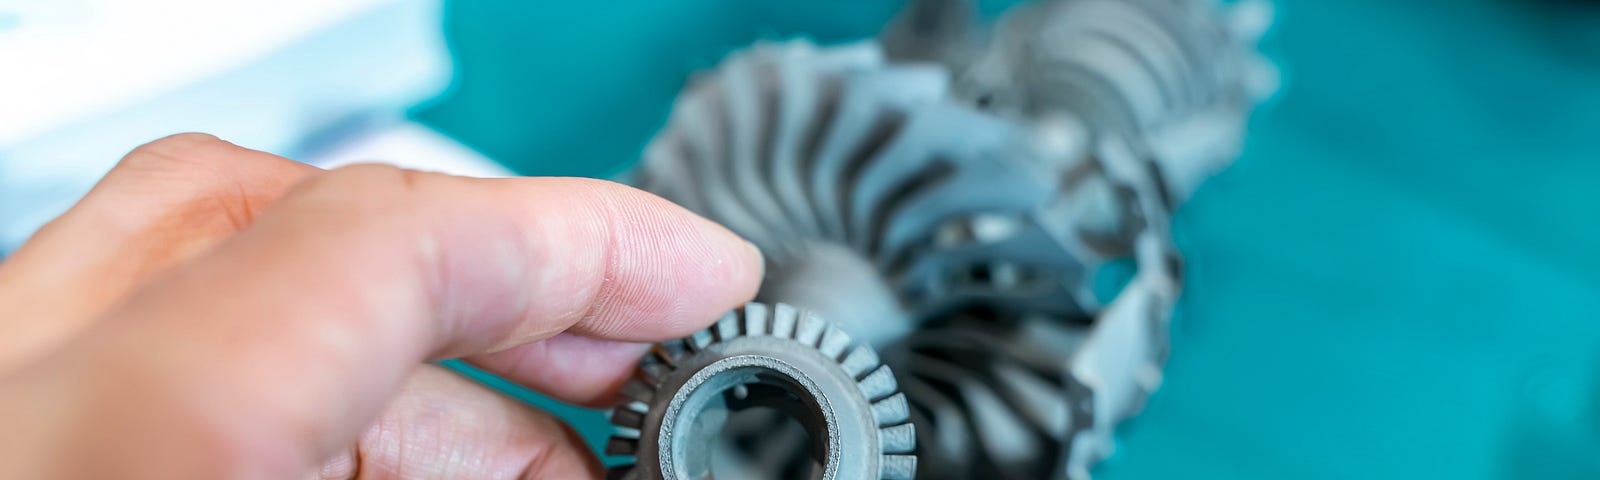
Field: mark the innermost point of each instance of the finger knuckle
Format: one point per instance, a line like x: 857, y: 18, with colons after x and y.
x: 364, y: 186
x: 376, y: 179
x: 175, y: 149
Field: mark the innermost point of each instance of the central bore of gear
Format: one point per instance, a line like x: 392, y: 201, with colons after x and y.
x: 739, y: 385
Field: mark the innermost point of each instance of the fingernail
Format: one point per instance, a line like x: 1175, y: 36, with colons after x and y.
x: 761, y: 259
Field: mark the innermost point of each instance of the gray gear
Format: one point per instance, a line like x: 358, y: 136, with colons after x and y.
x: 847, y: 401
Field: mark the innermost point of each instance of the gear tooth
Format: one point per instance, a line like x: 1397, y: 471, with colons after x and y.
x: 624, y: 472
x: 623, y: 417
x: 671, y: 350
x: 727, y: 327
x: 651, y: 372
x: 810, y: 328
x: 784, y: 318
x: 899, y: 467
x: 891, y: 411
x: 625, y: 432
x: 699, y: 340
x: 636, y: 406
x: 833, y: 342
x: 900, y: 438
x: 622, y: 446
x: 756, y: 318
x: 638, y: 391
x: 878, y: 384
x: 860, y: 361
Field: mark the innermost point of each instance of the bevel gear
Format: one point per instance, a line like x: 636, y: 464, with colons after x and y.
x: 857, y: 421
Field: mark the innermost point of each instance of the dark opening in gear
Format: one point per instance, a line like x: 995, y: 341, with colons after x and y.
x: 792, y: 437
x: 783, y: 444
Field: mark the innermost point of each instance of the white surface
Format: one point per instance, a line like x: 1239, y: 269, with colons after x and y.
x: 84, y: 81
x: 66, y: 60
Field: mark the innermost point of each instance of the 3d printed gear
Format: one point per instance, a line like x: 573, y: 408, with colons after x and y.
x: 857, y: 422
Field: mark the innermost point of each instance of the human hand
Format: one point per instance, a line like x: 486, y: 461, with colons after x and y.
x: 209, y: 311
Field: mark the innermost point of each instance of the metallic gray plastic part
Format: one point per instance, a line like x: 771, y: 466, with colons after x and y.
x: 959, y: 228
x: 880, y: 168
x: 942, y: 31
x: 848, y: 404
x: 1178, y: 78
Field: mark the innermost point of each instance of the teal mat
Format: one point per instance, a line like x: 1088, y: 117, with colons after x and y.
x: 1398, y: 280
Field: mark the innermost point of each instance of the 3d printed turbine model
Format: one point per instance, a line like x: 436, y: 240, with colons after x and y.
x: 955, y: 226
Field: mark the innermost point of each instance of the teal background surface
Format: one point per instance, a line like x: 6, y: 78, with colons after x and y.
x: 1399, y: 279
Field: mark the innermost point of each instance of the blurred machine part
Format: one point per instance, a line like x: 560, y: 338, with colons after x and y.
x: 299, y: 78
x: 1178, y: 78
x: 953, y: 203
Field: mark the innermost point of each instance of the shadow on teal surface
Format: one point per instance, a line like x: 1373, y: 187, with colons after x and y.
x: 1398, y: 280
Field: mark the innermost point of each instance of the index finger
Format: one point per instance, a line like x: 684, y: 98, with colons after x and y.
x: 273, y: 350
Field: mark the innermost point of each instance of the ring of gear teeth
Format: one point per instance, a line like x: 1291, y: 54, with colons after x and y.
x: 876, y: 392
